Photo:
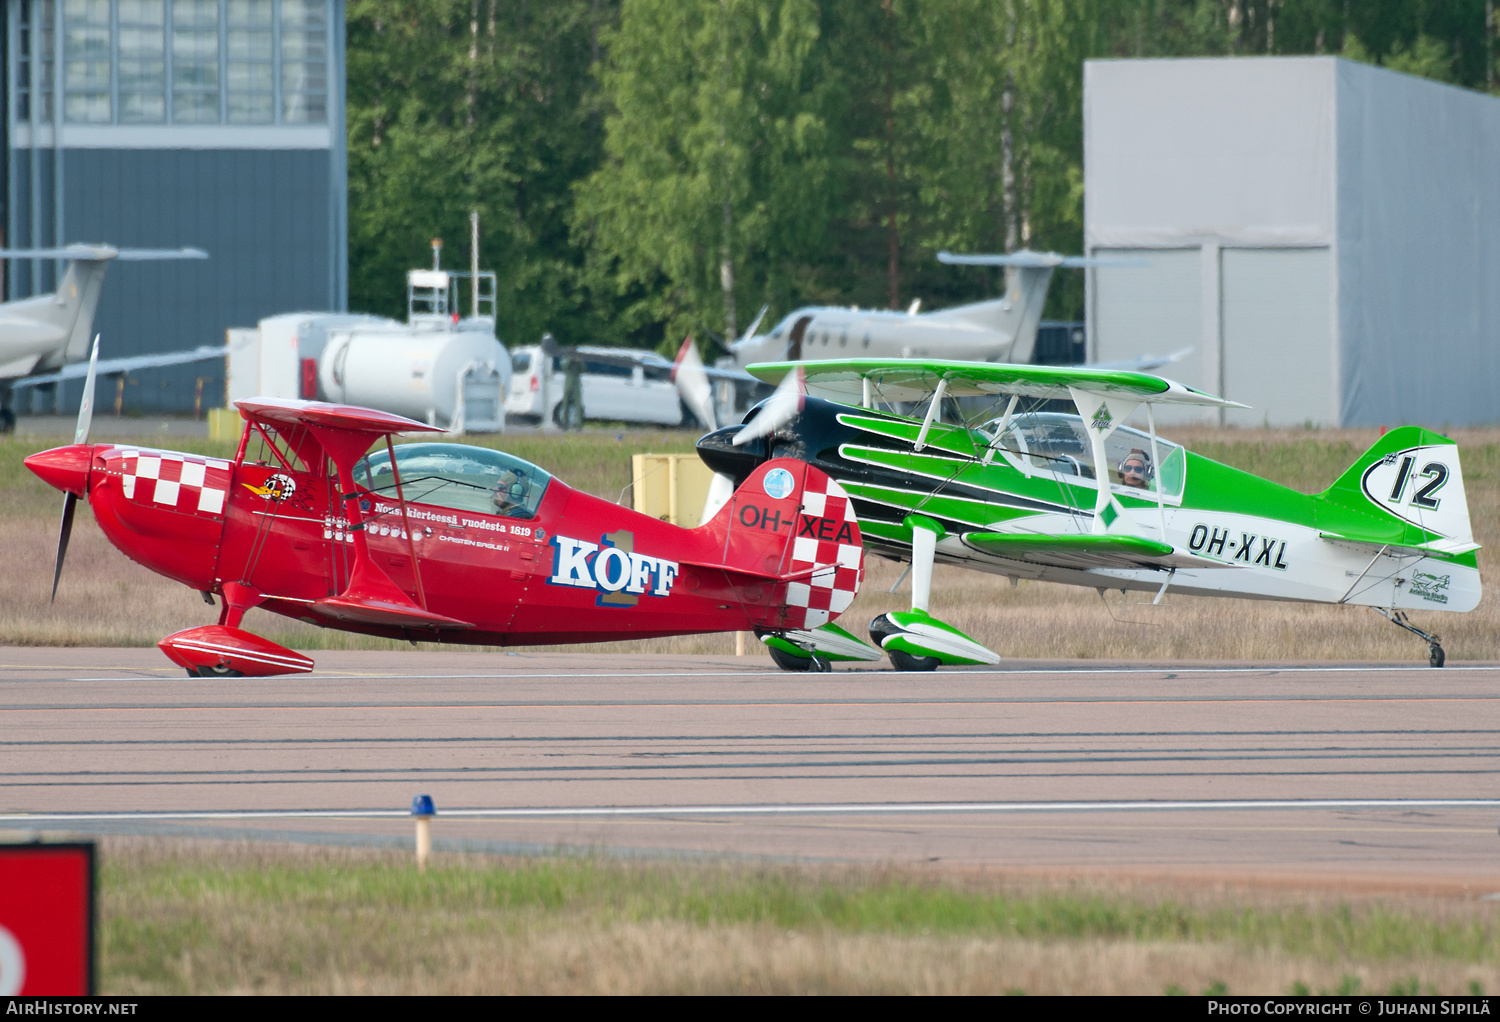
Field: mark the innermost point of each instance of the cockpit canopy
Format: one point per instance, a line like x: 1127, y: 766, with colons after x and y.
x: 474, y: 479
x: 1056, y: 443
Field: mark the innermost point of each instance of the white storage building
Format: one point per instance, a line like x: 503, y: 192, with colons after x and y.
x: 1324, y: 235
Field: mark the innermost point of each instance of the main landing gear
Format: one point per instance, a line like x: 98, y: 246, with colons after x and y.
x: 1398, y: 618
x: 815, y: 649
x: 914, y: 639
x: 792, y: 662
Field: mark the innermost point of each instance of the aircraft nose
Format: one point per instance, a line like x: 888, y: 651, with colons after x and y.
x: 66, y: 468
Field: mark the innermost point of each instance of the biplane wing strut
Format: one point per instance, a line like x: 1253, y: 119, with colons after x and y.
x: 1104, y: 398
x: 345, y: 433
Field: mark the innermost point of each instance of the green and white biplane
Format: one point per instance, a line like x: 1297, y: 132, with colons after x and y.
x: 1082, y: 499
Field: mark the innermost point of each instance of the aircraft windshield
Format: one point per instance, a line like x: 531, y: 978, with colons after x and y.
x: 457, y: 476
x: 1057, y: 444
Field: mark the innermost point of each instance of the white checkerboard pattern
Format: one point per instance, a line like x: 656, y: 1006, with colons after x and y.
x: 182, y: 482
x: 838, y: 566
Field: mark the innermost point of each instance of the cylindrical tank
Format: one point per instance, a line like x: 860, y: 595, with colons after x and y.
x: 414, y: 371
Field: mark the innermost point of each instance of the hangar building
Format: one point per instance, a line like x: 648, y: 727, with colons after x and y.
x: 1324, y: 235
x: 216, y: 124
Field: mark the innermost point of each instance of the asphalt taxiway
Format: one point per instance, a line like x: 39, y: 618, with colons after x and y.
x: 1382, y: 772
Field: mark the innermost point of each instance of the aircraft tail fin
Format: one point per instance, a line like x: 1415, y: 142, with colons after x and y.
x: 75, y: 303
x: 1018, y: 313
x: 789, y: 524
x: 1406, y: 490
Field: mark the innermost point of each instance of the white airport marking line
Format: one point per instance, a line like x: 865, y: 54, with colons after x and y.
x: 873, y: 809
x: 732, y: 672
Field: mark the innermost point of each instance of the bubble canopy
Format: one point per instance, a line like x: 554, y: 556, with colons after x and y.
x: 457, y: 476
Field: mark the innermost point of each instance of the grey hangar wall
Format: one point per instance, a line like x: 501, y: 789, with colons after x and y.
x: 1324, y: 236
x: 249, y: 167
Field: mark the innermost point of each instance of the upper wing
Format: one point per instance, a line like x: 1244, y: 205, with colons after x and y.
x: 285, y: 411
x: 916, y: 379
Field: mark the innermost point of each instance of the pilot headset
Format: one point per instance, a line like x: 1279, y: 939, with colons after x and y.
x: 1145, y: 460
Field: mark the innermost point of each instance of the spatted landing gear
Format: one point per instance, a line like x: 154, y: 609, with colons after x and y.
x: 792, y: 662
x: 1435, y: 655
x: 815, y: 649
x: 914, y: 639
x: 216, y: 671
x: 906, y: 662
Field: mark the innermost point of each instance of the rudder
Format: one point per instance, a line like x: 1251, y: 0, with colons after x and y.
x: 790, y: 524
x: 1410, y: 480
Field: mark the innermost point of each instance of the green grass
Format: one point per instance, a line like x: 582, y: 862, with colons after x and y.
x: 306, y: 915
x: 791, y: 898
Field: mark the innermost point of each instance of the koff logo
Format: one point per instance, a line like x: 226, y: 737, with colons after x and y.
x: 611, y: 568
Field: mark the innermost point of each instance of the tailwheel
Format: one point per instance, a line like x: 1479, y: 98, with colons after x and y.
x: 1435, y: 655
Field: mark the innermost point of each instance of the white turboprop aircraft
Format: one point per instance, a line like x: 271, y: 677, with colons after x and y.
x: 1000, y: 330
x: 45, y: 338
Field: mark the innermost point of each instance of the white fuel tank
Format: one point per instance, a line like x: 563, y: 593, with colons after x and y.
x: 452, y: 376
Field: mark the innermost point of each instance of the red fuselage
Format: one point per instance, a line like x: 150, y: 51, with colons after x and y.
x: 579, y: 569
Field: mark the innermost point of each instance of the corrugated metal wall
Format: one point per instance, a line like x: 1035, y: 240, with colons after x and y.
x: 263, y: 217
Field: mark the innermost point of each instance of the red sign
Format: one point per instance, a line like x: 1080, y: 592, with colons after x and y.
x: 47, y: 920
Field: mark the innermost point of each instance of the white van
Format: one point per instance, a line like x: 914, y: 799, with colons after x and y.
x: 612, y: 391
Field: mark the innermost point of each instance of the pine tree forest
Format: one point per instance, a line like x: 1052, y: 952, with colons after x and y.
x: 644, y: 169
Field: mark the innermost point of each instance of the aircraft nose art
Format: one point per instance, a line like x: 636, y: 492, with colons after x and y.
x: 66, y: 468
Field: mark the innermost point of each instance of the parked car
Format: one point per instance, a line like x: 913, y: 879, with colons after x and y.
x: 613, y: 389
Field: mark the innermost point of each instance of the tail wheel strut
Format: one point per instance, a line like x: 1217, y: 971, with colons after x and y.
x: 1435, y: 655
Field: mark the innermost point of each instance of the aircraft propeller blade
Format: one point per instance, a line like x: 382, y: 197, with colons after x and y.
x: 70, y: 501
x: 692, y: 383
x: 80, y: 436
x: 86, y: 406
x: 779, y: 409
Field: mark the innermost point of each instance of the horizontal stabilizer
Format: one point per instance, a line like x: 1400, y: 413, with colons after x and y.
x: 1086, y: 551
x: 1039, y: 260
x: 107, y: 366
x: 102, y: 252
x: 1446, y: 547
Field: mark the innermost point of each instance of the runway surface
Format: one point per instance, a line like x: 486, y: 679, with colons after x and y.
x: 1383, y: 773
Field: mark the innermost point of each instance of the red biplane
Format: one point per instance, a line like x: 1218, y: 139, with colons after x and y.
x: 445, y: 542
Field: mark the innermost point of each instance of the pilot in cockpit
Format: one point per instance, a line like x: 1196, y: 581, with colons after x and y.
x: 510, y: 492
x: 1135, y: 470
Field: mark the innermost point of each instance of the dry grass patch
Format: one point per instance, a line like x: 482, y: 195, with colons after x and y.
x: 201, y: 917
x: 107, y: 600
